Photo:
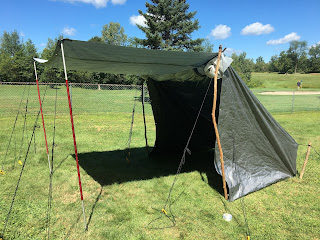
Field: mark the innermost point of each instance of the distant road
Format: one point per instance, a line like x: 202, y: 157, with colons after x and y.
x: 296, y: 92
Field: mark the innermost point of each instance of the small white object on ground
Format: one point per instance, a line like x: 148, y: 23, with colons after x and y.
x: 227, y: 217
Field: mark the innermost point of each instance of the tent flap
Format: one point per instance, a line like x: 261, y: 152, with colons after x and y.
x: 257, y: 151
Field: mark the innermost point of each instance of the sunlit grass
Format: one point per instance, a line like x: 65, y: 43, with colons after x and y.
x: 119, y: 197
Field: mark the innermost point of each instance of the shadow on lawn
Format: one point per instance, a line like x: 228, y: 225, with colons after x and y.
x: 111, y: 166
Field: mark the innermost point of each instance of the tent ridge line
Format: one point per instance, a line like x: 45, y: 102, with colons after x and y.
x: 83, y: 59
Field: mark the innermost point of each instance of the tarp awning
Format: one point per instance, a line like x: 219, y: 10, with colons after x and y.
x: 100, y: 57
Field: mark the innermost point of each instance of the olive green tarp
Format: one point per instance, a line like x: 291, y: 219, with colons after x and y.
x: 257, y: 150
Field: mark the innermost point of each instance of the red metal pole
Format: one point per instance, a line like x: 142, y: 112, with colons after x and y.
x: 40, y: 103
x: 74, y: 135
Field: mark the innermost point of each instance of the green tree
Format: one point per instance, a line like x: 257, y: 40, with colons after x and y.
x: 10, y: 43
x: 170, y: 26
x: 260, y: 65
x: 50, y: 74
x: 296, y: 52
x: 314, y: 53
x: 113, y: 33
x: 207, y: 46
x: 51, y: 45
x: 273, y: 64
x: 30, y: 49
x: 285, y: 63
x: 16, y: 58
x: 95, y: 39
x: 243, y: 66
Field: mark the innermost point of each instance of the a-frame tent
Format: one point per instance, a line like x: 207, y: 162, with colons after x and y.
x: 257, y: 150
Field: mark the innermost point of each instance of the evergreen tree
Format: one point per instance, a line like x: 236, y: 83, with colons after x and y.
x: 170, y: 26
x: 10, y: 43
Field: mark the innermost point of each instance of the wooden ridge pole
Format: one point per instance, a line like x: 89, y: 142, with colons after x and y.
x: 215, y: 123
x: 305, y: 161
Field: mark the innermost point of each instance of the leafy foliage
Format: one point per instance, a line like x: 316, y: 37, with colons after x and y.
x: 113, y: 34
x: 242, y: 66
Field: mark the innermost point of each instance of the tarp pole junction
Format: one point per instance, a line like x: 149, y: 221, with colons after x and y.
x: 215, y: 123
x: 74, y: 135
x: 43, y: 124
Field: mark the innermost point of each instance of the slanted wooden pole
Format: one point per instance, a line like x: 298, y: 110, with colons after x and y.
x: 215, y: 124
x: 305, y: 161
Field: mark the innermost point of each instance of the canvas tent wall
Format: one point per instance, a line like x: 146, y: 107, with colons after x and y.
x: 257, y: 150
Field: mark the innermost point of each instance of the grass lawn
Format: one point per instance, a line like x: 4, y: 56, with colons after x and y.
x: 119, y: 196
x: 287, y: 82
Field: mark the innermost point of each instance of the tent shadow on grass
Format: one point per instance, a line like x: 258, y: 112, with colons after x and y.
x: 111, y: 167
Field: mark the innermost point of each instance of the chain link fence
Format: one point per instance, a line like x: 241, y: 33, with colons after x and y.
x: 104, y: 98
x: 86, y: 98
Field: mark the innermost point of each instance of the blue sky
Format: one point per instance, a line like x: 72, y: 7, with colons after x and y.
x: 259, y: 28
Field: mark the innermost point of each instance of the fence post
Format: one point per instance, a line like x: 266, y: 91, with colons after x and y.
x: 70, y: 86
x: 292, y: 102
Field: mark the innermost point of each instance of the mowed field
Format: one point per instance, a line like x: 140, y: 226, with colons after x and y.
x: 123, y: 188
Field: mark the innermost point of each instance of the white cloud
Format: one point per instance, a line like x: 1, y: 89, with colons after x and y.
x: 22, y: 34
x: 98, y: 3
x: 257, y: 29
x: 288, y: 38
x: 120, y: 2
x: 138, y: 20
x: 314, y: 45
x: 69, y: 31
x: 230, y: 51
x: 221, y: 32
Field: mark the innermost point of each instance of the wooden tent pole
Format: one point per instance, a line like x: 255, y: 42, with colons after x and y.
x: 305, y: 161
x: 215, y: 123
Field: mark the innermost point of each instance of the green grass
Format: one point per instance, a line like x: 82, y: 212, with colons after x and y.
x: 119, y: 196
x: 287, y: 82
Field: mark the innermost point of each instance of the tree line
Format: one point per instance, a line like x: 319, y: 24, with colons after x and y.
x: 169, y: 26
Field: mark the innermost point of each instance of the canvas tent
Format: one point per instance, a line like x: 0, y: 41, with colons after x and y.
x: 257, y: 150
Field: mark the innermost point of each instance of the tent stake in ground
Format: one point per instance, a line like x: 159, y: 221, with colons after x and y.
x: 74, y: 135
x: 44, y: 128
x: 215, y: 86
